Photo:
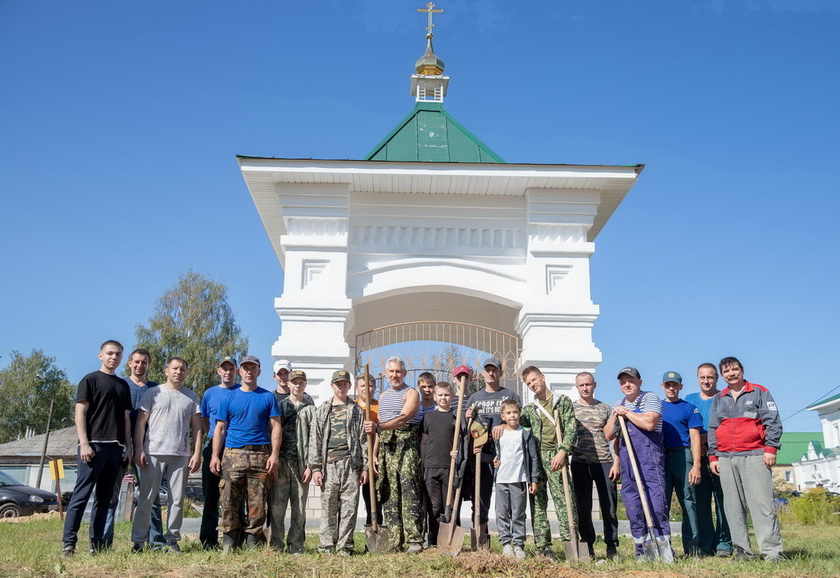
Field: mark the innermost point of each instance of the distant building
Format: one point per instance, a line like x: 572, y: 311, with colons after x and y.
x: 794, y: 446
x: 20, y: 458
x: 819, y: 466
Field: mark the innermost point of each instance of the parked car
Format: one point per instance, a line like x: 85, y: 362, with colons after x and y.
x: 17, y: 499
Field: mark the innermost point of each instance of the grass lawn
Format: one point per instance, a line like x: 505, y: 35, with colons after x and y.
x: 32, y: 547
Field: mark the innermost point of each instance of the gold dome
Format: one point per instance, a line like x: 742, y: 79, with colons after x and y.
x: 429, y: 64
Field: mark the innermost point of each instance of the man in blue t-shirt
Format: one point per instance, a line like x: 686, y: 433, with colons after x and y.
x: 244, y: 422
x: 210, y: 405
x: 714, y: 537
x: 681, y: 428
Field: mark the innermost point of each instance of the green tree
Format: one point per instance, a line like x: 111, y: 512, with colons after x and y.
x: 27, y: 385
x: 192, y: 320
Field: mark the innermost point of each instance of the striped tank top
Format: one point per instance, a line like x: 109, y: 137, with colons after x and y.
x: 391, y: 403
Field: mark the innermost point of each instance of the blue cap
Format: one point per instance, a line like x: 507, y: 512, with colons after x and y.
x: 672, y: 376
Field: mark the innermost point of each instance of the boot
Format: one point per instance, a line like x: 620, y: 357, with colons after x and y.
x: 231, y: 540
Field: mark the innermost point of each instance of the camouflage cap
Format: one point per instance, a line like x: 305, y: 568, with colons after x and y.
x: 340, y: 375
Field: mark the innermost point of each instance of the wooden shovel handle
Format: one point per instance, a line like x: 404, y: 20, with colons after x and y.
x: 564, y: 472
x: 633, y: 464
x: 371, y: 484
x: 461, y: 389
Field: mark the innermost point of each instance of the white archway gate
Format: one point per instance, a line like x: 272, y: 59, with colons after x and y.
x: 368, y: 244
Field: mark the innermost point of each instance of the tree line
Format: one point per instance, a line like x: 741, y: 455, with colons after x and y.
x: 192, y: 320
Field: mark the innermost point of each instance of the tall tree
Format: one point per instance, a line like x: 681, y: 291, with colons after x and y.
x: 27, y: 385
x: 192, y: 320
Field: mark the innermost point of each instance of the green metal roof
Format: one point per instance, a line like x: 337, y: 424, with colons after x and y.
x: 430, y: 134
x: 795, y: 444
x: 826, y: 400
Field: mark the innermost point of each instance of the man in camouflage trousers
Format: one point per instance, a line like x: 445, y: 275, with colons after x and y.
x: 400, y: 478
x: 539, y: 417
x: 251, y: 457
x: 338, y: 461
x: 292, y: 485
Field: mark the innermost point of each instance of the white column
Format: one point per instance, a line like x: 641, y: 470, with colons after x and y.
x: 556, y: 319
x: 314, y: 307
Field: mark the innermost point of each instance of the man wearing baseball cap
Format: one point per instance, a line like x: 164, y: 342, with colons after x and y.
x: 338, y: 461
x: 642, y: 412
x: 682, y: 426
x: 282, y: 369
x: 486, y: 406
x: 283, y: 376
x: 251, y: 457
x: 210, y: 404
x: 292, y: 485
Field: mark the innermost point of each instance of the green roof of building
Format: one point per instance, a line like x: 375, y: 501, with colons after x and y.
x: 795, y: 444
x: 826, y: 400
x: 430, y: 134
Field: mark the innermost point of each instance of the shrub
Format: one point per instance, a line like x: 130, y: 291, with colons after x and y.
x: 814, y: 507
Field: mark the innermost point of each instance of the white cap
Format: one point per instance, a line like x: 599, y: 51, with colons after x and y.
x: 282, y: 364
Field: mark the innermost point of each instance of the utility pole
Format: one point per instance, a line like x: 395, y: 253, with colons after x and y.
x: 46, y: 437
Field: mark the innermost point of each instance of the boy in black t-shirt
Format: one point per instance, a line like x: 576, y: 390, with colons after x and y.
x: 438, y: 430
x: 103, y: 401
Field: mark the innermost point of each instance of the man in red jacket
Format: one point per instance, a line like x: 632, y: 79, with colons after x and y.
x: 745, y: 433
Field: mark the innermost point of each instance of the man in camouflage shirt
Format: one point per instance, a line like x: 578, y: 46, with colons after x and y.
x: 292, y: 485
x: 539, y: 417
x: 338, y: 461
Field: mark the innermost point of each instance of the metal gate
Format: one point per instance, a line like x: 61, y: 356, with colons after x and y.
x: 438, y: 347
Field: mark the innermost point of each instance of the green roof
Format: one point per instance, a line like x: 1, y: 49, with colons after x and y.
x: 430, y: 134
x: 826, y: 400
x: 795, y: 444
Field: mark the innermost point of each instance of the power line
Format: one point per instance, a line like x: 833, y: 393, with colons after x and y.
x: 810, y: 404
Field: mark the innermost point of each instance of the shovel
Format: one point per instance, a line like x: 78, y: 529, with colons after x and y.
x: 574, y: 548
x: 479, y: 537
x: 376, y: 536
x: 450, y: 537
x: 456, y: 533
x: 653, y: 548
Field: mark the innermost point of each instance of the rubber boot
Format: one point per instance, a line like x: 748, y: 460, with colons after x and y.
x: 231, y: 540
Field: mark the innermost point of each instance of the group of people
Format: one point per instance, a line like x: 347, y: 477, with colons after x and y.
x: 264, y: 448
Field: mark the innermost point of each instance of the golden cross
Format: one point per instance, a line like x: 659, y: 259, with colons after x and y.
x: 430, y: 9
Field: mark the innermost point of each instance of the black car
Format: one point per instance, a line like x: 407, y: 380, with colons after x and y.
x: 17, y: 499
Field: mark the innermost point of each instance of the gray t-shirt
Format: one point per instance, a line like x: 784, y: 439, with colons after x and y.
x: 170, y: 414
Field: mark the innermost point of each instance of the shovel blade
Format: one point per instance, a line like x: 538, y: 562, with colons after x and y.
x: 583, y: 551
x: 479, y: 540
x: 571, y: 551
x: 377, y: 539
x: 650, y: 551
x: 451, y: 538
x: 666, y: 554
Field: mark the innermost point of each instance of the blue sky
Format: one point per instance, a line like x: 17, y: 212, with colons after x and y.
x: 120, y: 122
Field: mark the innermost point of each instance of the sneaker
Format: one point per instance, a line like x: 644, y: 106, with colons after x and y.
x: 138, y: 547
x: 723, y: 553
x: 342, y: 552
x: 507, y: 551
x: 774, y: 559
x: 518, y: 553
x: 414, y: 548
x: 612, y: 552
x: 173, y: 548
x: 68, y: 552
x: 547, y: 553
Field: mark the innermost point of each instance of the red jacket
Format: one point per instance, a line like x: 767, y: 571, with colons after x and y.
x: 748, y: 425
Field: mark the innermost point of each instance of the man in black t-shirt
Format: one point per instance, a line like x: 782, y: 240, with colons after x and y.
x: 103, y: 401
x: 485, y: 405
